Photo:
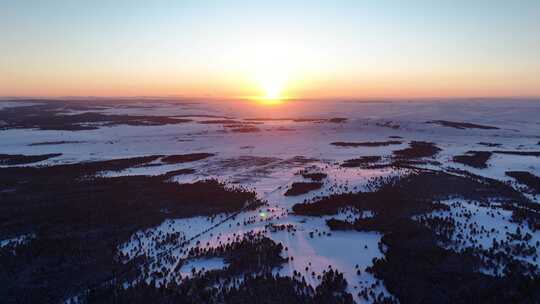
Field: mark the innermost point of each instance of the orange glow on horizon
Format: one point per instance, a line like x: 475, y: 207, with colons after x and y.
x: 274, y: 50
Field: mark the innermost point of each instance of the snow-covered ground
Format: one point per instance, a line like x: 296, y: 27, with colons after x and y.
x: 518, y: 121
x: 308, y: 240
x: 268, y: 161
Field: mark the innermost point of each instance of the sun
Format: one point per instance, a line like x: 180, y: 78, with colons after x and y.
x: 269, y: 70
x: 271, y: 88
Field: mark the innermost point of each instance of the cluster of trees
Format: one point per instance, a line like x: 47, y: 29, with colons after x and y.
x: 247, y: 278
x: 80, y: 219
x: 250, y: 288
x: 465, y: 236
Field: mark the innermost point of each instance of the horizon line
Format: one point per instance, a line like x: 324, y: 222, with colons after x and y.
x: 244, y: 98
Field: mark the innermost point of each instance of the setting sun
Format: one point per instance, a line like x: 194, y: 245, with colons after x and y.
x: 271, y: 94
x: 271, y: 85
x: 272, y: 89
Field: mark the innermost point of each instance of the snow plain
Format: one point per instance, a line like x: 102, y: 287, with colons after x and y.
x: 268, y: 161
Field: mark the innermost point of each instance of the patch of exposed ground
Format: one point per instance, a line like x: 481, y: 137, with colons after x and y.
x: 201, y: 116
x: 20, y: 159
x: 476, y: 159
x: 366, y: 144
x: 302, y: 188
x: 519, y: 153
x: 461, y: 125
x: 315, y: 176
x: 53, y: 143
x: 185, y: 158
x: 489, y: 144
x: 220, y: 122
x: 316, y: 120
x: 337, y: 120
x: 309, y: 120
x: 417, y: 149
x: 267, y: 119
x: 51, y: 116
x: 245, y: 129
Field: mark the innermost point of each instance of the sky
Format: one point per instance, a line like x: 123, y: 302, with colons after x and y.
x: 277, y: 49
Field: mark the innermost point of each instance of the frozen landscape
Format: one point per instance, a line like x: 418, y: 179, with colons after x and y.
x: 421, y: 201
